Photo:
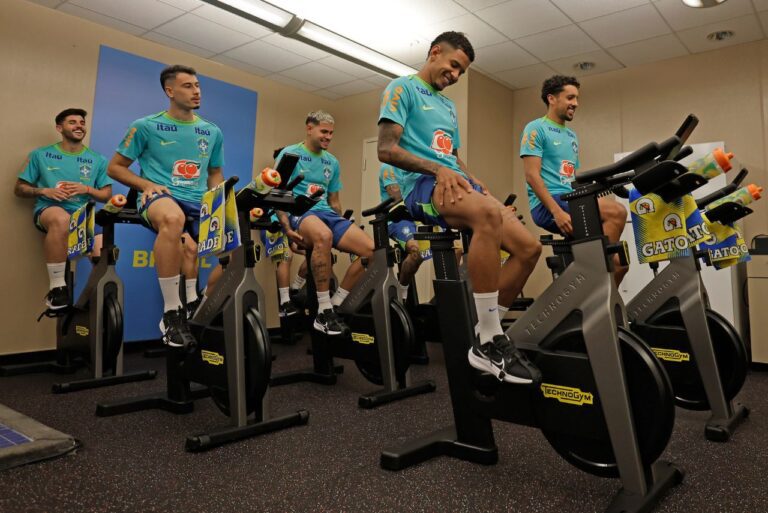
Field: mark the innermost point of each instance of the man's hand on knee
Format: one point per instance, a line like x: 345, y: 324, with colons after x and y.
x: 450, y: 186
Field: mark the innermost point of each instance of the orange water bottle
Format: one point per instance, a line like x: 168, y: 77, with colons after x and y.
x: 115, y: 203
x: 256, y: 214
x: 743, y: 196
x: 712, y: 165
x: 265, y: 181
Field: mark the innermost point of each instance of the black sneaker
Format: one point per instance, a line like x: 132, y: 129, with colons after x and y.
x: 328, y: 322
x: 57, y: 298
x: 287, y: 309
x: 502, y: 359
x: 192, y: 307
x: 175, y: 329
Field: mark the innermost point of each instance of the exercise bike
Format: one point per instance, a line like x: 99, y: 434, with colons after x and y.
x: 232, y: 357
x: 381, y: 333
x: 605, y: 403
x: 90, y: 331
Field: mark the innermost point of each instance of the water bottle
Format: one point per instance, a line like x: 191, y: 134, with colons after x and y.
x: 712, y: 165
x: 743, y: 196
x: 115, y: 203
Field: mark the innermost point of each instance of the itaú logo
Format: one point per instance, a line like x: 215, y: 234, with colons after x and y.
x: 442, y: 143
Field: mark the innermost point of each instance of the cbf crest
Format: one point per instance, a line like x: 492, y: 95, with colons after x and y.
x: 327, y: 173
x: 202, y: 145
x: 85, y: 171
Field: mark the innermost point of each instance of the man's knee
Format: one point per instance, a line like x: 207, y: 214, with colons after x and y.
x: 320, y: 238
x: 413, y: 252
x: 169, y: 220
x: 615, y: 212
x: 487, y: 216
x: 56, y: 222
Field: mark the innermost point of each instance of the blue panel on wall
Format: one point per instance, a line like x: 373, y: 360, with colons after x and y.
x: 127, y: 88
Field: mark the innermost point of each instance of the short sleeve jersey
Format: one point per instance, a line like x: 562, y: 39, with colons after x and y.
x: 174, y: 153
x: 320, y: 170
x: 558, y: 148
x: 429, y: 121
x: 389, y: 175
x: 50, y: 165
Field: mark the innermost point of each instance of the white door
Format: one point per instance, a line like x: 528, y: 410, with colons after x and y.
x: 370, y: 196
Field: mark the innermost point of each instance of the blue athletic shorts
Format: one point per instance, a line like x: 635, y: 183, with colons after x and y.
x: 401, y: 231
x: 97, y: 230
x: 332, y: 220
x: 543, y: 218
x: 419, y: 201
x: 191, y: 209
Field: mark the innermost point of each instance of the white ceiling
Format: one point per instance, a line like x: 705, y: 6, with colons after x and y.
x: 517, y: 42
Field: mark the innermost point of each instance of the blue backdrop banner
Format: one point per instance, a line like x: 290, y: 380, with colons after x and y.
x: 128, y: 88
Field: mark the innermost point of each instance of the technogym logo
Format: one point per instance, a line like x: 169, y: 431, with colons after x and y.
x: 671, y: 355
x: 212, y: 357
x: 567, y: 395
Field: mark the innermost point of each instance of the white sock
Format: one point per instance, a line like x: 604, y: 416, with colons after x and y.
x: 324, y: 301
x: 57, y: 274
x: 284, y: 295
x: 339, y: 296
x: 170, y: 290
x: 298, y: 282
x: 191, y: 286
x: 502, y: 311
x: 403, y: 291
x: 488, y: 323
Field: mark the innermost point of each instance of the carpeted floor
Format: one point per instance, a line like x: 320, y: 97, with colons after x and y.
x: 136, y: 462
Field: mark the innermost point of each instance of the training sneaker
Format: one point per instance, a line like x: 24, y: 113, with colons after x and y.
x: 328, y: 322
x: 175, y: 329
x: 502, y: 359
x: 192, y: 307
x: 57, y: 298
x: 287, y: 309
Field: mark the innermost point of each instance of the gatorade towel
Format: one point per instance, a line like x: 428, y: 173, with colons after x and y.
x: 660, y: 232
x: 275, y: 244
x: 726, y: 246
x: 697, y: 227
x: 81, y: 232
x: 231, y: 223
x: 212, y: 222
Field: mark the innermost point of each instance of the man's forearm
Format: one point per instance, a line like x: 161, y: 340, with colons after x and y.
x: 283, y: 218
x: 26, y: 190
x: 541, y: 191
x: 102, y: 194
x: 407, y: 161
x: 127, y: 177
x: 215, y: 178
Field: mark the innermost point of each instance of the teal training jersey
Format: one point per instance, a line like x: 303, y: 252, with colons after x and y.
x: 173, y: 153
x: 50, y: 165
x: 320, y: 170
x: 389, y: 175
x: 430, y: 125
x: 558, y: 148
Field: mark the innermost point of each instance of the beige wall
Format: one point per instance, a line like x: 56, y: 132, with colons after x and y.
x: 622, y: 110
x: 53, y: 67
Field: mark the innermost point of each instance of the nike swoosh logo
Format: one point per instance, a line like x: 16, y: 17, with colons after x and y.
x: 426, y: 107
x: 166, y: 143
x: 52, y: 168
x: 557, y: 143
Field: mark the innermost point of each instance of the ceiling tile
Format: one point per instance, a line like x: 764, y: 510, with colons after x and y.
x: 186, y: 5
x: 379, y: 80
x: 232, y: 21
x: 229, y: 61
x: 557, y: 43
x: 264, y: 55
x: 202, y: 33
x: 414, y: 51
x: 649, y: 50
x: 318, y: 74
x: 476, y: 5
x: 503, y: 56
x: 603, y: 62
x: 354, y: 87
x: 329, y: 93
x: 292, y: 82
x: 745, y: 29
x: 175, y: 43
x: 526, y: 76
x: 580, y: 10
x: 423, y: 11
x: 347, y: 67
x: 477, y: 31
x: 761, y: 5
x: 519, y: 18
x: 681, y: 17
x: 101, y: 19
x: 623, y: 27
x: 297, y: 47
x: 142, y: 13
x: 47, y: 3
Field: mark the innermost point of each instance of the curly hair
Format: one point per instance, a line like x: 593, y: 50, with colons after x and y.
x: 554, y: 85
x: 457, y: 40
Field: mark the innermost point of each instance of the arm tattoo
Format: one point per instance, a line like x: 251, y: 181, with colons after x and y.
x: 390, y: 151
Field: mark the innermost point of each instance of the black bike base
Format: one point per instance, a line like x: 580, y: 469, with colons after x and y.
x: 206, y: 441
x: 419, y: 359
x: 155, y: 352
x: 40, y: 367
x: 105, y: 381
x: 157, y: 401
x: 721, y: 430
x: 380, y: 397
x: 439, y: 443
x: 310, y: 375
x: 665, y: 476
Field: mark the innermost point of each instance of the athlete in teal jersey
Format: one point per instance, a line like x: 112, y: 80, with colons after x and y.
x: 550, y: 154
x: 418, y: 133
x: 558, y: 148
x: 62, y: 177
x: 173, y: 153
x: 320, y: 170
x: 429, y: 121
x: 181, y: 157
x: 52, y: 165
